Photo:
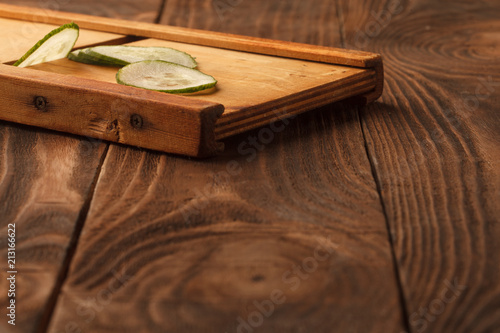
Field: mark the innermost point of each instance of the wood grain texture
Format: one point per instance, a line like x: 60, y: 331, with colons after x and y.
x: 173, y: 244
x: 434, y: 146
x: 44, y: 182
x: 288, y: 20
x: 201, y: 247
x: 144, y: 11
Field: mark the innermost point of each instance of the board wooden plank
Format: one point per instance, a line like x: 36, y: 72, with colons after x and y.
x: 202, y: 241
x: 19, y: 36
x: 434, y: 147
x: 108, y: 111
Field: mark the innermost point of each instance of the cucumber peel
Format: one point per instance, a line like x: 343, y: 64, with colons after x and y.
x: 55, y: 45
x: 164, y: 76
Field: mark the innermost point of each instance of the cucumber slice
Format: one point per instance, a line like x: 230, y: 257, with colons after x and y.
x: 55, y: 45
x: 164, y: 76
x: 121, y: 55
x: 83, y: 56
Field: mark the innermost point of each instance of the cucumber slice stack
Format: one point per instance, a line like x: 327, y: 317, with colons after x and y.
x: 55, y: 45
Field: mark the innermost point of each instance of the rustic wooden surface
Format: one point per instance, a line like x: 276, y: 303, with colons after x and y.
x: 434, y: 144
x: 46, y: 180
x: 403, y: 195
x: 223, y: 232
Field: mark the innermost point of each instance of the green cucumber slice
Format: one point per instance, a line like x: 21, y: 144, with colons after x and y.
x: 83, y: 56
x: 121, y: 55
x: 164, y: 76
x: 55, y: 45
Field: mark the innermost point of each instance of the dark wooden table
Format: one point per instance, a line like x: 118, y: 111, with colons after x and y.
x: 382, y: 218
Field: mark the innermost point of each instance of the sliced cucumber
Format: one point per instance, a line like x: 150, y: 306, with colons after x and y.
x: 164, y: 76
x: 121, y: 55
x: 83, y: 56
x: 55, y: 45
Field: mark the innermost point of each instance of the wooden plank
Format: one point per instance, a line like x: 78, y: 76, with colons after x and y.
x: 274, y: 18
x: 19, y: 36
x: 144, y: 11
x: 46, y: 181
x: 197, y: 251
x: 433, y: 143
x: 176, y: 245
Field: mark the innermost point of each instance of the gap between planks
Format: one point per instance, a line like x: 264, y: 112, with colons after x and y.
x: 402, y: 299
x: 82, y: 218
x: 159, y: 15
x: 73, y: 245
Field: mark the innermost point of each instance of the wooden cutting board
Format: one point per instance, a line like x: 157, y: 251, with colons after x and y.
x: 259, y: 82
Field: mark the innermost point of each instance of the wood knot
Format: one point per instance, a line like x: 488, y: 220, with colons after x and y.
x: 257, y: 278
